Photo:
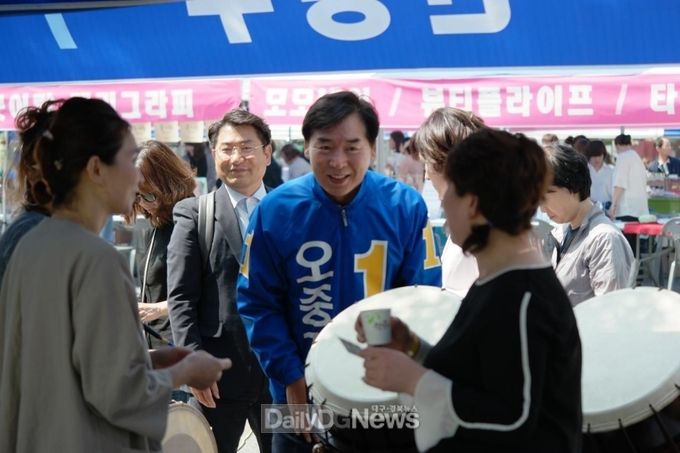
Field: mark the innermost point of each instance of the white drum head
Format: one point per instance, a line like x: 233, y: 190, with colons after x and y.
x: 631, y: 341
x: 187, y: 431
x: 335, y: 375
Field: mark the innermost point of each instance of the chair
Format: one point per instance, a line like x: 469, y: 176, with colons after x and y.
x: 648, y: 264
x: 543, y: 234
x: 671, y: 230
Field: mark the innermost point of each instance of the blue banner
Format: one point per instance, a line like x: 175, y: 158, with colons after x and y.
x: 206, y: 38
x: 58, y: 5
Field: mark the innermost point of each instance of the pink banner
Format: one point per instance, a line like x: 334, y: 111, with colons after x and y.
x: 143, y: 101
x: 513, y: 102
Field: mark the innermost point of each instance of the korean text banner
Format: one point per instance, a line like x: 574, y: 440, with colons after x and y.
x: 136, y: 102
x: 516, y: 102
x: 207, y: 38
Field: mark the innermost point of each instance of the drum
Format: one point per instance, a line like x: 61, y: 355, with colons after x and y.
x: 334, y: 376
x: 631, y: 370
x: 187, y: 431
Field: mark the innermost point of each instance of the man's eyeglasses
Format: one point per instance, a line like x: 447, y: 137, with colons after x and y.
x: 146, y: 196
x: 243, y: 150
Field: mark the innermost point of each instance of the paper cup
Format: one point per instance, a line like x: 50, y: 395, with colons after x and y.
x: 377, y: 326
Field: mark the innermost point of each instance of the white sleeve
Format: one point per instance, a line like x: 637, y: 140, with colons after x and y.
x: 621, y: 171
x: 436, y: 418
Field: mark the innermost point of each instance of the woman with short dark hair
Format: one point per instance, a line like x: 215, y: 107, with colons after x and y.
x: 506, y: 375
x: 601, y: 173
x: 592, y: 256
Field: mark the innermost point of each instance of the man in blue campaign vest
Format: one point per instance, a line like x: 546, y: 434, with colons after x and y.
x: 324, y: 241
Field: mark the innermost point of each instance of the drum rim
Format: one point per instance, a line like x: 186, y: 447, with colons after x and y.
x: 637, y: 411
x: 182, y: 407
x: 640, y: 408
x: 321, y: 394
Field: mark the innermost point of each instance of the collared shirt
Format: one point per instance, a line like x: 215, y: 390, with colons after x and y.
x: 597, y: 261
x: 671, y: 166
x: 569, y: 235
x: 244, y: 206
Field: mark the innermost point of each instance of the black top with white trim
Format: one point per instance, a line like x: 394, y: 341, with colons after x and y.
x: 513, y: 354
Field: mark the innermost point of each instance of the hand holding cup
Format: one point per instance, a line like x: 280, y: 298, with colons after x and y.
x: 400, y: 335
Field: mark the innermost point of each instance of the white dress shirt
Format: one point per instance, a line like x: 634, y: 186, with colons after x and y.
x: 244, y: 206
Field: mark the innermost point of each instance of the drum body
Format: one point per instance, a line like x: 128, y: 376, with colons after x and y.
x: 187, y: 431
x: 334, y: 376
x: 631, y: 370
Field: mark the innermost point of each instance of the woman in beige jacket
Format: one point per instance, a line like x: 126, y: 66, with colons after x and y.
x: 75, y: 375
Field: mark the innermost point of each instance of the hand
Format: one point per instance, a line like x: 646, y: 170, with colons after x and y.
x: 391, y: 370
x: 296, y: 393
x: 205, y: 397
x: 401, y: 334
x: 150, y: 312
x: 167, y: 356
x: 199, y: 370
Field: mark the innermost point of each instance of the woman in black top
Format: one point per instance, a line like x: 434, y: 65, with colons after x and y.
x: 506, y: 376
x: 165, y: 180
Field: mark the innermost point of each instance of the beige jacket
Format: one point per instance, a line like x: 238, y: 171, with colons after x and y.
x: 75, y: 375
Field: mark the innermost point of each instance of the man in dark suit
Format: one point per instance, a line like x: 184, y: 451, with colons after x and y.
x: 202, y: 293
x: 665, y: 162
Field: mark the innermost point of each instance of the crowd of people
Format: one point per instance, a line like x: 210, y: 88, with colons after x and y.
x: 241, y: 280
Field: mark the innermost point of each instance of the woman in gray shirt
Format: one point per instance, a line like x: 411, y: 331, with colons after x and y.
x: 592, y: 257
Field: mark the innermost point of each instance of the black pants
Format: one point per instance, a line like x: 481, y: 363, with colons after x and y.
x: 241, y: 395
x: 290, y: 443
x: 228, y: 420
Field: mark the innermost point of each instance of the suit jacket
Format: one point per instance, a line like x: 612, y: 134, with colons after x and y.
x: 202, y: 302
x: 673, y: 165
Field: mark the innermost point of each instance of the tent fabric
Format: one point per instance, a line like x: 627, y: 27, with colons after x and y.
x: 216, y: 38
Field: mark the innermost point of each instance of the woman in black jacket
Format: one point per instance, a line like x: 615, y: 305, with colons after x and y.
x: 166, y: 179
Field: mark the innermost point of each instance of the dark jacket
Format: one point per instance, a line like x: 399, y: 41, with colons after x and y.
x: 673, y: 165
x: 202, y: 302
